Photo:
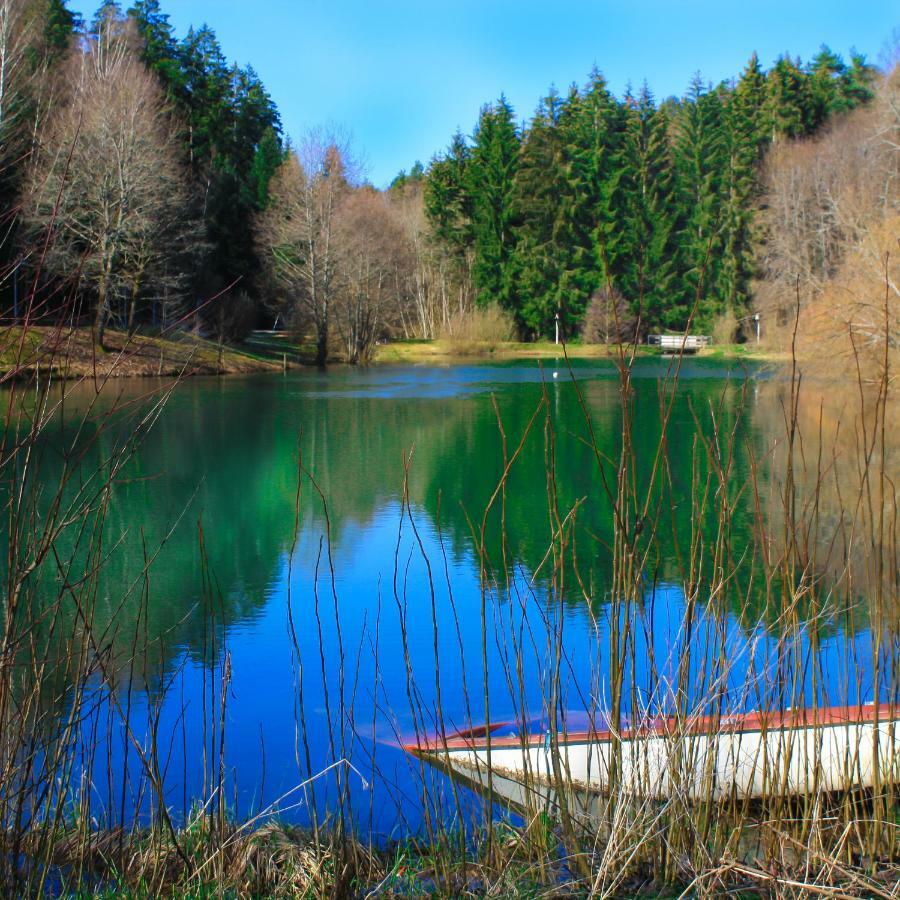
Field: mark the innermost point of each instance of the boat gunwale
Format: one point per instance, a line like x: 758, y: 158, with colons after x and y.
x: 740, y: 723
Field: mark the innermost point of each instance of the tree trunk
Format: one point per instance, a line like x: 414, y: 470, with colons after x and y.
x: 101, y: 316
x: 132, y: 307
x: 100, y: 320
x: 321, y: 346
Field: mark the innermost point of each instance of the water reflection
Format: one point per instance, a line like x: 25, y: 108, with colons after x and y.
x: 318, y: 559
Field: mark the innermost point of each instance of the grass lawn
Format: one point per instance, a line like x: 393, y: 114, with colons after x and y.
x: 71, y: 352
x: 448, y: 351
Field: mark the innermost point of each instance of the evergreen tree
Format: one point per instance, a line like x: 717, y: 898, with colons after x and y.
x: 267, y: 157
x: 448, y: 199
x: 159, y: 48
x: 649, y: 271
x: 826, y: 72
x: 491, y: 178
x: 790, y: 108
x: 700, y: 157
x: 740, y: 144
x: 542, y: 242
x: 594, y: 127
x: 416, y: 175
x: 255, y: 115
x: 60, y: 23
x: 750, y: 104
x: 857, y: 85
x: 207, y: 87
x: 108, y: 19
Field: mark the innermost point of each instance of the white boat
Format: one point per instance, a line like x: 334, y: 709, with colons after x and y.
x: 751, y: 755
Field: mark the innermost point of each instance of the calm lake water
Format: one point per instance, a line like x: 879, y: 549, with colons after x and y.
x: 323, y: 621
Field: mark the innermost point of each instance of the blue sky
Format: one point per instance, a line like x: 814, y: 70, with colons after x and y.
x: 403, y: 75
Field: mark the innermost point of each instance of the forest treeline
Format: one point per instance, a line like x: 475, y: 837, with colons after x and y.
x: 148, y: 184
x: 133, y: 166
x: 627, y: 212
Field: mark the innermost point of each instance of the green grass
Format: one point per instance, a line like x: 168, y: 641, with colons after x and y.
x: 421, y: 351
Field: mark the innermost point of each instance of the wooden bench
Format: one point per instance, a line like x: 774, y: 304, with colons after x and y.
x: 679, y: 343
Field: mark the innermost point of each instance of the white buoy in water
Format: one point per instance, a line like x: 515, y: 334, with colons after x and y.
x: 556, y: 374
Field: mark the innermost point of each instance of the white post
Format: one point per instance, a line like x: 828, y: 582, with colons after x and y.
x: 557, y: 328
x: 756, y: 320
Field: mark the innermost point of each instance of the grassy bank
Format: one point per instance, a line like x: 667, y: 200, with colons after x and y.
x: 449, y: 351
x: 72, y: 353
x: 277, y: 860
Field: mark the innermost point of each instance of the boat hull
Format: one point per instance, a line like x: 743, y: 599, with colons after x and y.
x: 754, y: 756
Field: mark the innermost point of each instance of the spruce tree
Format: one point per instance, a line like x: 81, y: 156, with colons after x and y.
x: 750, y: 104
x: 649, y: 259
x: 594, y: 129
x: 59, y: 25
x: 790, y: 108
x: 159, y: 47
x: 491, y: 178
x: 539, y: 184
x: 738, y: 187
x: 448, y: 199
x: 700, y: 156
x: 207, y: 85
x: 267, y: 158
x: 826, y: 72
x: 108, y: 19
x: 858, y: 82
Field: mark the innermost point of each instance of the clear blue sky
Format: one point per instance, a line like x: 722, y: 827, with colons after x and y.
x: 403, y: 75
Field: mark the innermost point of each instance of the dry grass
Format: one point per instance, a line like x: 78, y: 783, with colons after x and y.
x: 478, y: 331
x: 71, y: 353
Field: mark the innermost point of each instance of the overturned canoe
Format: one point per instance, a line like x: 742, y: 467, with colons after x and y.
x: 750, y: 755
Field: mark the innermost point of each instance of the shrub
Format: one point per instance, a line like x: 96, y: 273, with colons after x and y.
x: 609, y: 319
x: 478, y: 329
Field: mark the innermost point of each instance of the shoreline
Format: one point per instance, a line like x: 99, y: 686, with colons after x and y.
x: 71, y: 354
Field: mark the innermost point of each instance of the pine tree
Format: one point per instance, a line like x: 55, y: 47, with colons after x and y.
x: 491, y: 178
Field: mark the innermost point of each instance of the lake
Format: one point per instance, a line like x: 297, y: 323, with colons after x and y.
x: 300, y: 570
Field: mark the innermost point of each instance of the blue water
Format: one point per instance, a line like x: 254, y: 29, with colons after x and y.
x: 313, y: 641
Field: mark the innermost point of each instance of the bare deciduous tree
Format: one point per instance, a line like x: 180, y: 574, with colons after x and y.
x: 374, y: 266
x: 438, y: 293
x: 296, y: 232
x: 106, y: 183
x: 831, y: 215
